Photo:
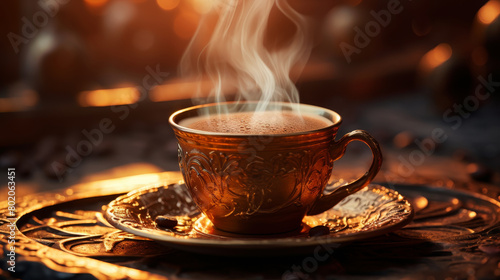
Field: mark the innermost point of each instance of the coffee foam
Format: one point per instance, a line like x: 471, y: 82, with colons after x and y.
x: 269, y: 122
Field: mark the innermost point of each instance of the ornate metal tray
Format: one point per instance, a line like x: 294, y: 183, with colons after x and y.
x: 63, y: 235
x: 373, y: 211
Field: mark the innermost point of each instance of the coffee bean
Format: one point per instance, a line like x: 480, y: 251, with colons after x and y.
x: 319, y: 231
x: 166, y: 221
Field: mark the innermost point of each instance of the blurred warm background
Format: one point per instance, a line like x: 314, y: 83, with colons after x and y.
x: 104, y: 72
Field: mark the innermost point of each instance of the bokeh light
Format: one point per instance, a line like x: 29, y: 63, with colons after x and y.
x: 489, y: 12
x: 437, y: 56
x: 168, y: 5
x: 95, y: 3
x: 108, y: 97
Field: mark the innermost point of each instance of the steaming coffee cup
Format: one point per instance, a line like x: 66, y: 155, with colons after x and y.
x: 261, y: 173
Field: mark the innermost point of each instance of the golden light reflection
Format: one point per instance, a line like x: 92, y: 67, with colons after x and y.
x: 312, y: 222
x: 121, y: 184
x: 185, y: 24
x: 168, y: 5
x: 489, y: 12
x: 203, y: 223
x: 178, y: 89
x: 95, y: 3
x: 126, y: 170
x: 421, y: 202
x: 436, y: 57
x: 472, y: 167
x: 21, y: 101
x: 108, y: 97
x: 175, y: 90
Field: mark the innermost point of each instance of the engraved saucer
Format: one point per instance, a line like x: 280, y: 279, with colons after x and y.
x: 373, y: 211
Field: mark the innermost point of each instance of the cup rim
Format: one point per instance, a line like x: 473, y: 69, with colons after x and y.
x: 336, y: 119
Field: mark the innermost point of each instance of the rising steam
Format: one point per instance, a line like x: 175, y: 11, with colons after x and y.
x: 235, y: 58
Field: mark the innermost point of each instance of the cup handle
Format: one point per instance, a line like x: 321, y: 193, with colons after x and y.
x: 327, y: 201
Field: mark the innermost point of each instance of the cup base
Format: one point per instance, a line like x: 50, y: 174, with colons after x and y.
x: 206, y: 227
x: 258, y: 225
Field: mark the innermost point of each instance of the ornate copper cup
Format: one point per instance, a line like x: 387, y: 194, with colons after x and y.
x: 265, y: 184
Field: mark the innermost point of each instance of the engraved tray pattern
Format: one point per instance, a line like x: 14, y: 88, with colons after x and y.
x: 62, y: 234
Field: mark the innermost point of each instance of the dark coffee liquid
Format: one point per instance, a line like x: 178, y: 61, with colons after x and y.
x: 257, y: 123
